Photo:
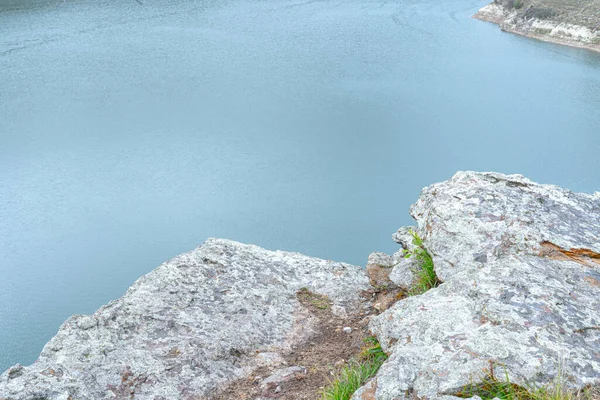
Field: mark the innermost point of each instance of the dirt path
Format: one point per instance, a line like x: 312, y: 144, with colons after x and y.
x: 330, y: 347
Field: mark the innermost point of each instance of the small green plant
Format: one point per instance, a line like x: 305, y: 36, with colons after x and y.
x: 494, y: 387
x: 518, y: 4
x: 425, y: 273
x: 318, y: 301
x: 356, y: 372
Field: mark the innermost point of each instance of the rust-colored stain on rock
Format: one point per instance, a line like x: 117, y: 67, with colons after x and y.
x: 592, y: 281
x: 581, y: 256
x: 370, y: 389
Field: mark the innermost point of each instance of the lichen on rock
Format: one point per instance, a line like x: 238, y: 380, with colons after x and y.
x: 520, y: 266
x: 503, y: 298
x: 188, y: 328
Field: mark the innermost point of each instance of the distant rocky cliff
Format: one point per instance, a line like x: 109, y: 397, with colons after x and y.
x: 518, y: 265
x: 570, y: 22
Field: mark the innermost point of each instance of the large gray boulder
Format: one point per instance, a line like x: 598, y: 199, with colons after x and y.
x: 193, y: 325
x: 520, y: 265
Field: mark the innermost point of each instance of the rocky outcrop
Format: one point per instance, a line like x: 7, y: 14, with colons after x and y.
x: 520, y: 266
x: 518, y: 288
x: 573, y: 23
x: 188, y: 328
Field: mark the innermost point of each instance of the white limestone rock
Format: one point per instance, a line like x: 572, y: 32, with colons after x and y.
x: 187, y: 328
x: 520, y: 264
x: 403, y: 273
x: 577, y: 30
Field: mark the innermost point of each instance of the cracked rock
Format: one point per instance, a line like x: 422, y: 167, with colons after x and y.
x: 520, y: 264
x: 188, y: 328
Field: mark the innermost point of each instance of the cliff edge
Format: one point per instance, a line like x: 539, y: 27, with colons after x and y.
x: 516, y: 296
x: 569, y: 22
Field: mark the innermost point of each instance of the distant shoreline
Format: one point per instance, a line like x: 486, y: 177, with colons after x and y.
x: 546, y: 30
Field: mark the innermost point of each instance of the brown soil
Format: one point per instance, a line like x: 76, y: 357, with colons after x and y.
x: 592, y: 393
x: 322, y: 355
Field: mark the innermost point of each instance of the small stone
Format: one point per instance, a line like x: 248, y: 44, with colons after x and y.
x: 379, y: 267
x: 284, y: 375
x: 86, y: 322
x: 339, y: 311
x: 347, y: 329
x: 403, y: 274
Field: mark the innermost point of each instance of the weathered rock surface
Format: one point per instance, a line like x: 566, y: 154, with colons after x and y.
x: 390, y: 277
x: 520, y: 264
x: 395, y: 271
x: 403, y: 272
x: 404, y: 237
x: 379, y: 267
x: 194, y: 324
x: 574, y: 23
x: 281, y: 376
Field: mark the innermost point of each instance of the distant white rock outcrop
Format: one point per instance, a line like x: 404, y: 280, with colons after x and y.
x: 576, y: 23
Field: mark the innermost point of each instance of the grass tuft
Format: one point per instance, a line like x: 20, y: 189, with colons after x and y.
x: 318, y: 301
x: 502, y: 388
x: 357, y: 372
x: 425, y: 274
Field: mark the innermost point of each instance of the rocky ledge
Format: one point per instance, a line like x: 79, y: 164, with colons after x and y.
x: 518, y: 289
x: 568, y: 22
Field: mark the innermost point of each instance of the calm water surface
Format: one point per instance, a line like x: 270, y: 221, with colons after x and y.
x: 131, y: 132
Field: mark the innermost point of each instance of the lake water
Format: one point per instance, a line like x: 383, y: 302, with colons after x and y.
x: 132, y: 131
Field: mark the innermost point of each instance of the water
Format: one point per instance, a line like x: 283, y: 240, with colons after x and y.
x: 131, y: 132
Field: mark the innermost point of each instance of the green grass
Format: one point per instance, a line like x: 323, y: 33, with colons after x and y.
x: 357, y: 372
x: 316, y: 300
x: 502, y: 388
x: 425, y: 273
